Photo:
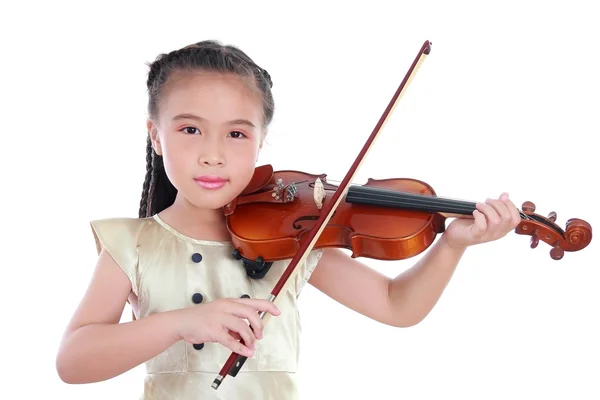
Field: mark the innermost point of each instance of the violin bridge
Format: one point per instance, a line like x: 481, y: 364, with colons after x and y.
x: 319, y: 193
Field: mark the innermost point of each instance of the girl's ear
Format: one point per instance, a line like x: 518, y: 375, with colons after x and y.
x: 262, y: 138
x: 261, y: 142
x: 153, y: 132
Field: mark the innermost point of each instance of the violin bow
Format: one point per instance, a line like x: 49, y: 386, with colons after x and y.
x: 235, y: 361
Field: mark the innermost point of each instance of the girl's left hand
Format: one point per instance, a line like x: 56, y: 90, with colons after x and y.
x: 492, y: 221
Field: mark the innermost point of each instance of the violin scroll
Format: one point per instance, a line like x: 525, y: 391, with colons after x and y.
x: 576, y: 235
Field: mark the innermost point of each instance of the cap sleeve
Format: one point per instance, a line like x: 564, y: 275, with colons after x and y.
x: 306, y: 270
x: 118, y: 236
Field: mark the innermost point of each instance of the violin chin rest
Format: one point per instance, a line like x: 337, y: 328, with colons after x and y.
x: 262, y: 176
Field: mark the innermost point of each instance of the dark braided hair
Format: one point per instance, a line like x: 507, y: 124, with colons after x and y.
x: 158, y: 192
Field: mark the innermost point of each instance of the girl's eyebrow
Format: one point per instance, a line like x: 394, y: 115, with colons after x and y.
x: 239, y: 121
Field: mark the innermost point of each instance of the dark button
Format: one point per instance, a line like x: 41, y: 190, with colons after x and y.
x: 198, y: 346
x: 197, y: 298
x: 196, y: 257
x: 245, y: 296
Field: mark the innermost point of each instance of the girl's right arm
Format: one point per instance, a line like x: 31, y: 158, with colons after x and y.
x: 95, y: 346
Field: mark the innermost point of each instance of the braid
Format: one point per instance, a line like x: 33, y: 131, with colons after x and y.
x: 158, y: 192
x: 154, y: 200
x: 143, y: 212
x: 162, y: 191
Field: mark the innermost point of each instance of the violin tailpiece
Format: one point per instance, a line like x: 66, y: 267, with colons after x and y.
x: 284, y: 192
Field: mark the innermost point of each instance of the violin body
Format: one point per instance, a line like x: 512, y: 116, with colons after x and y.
x: 271, y: 228
x: 386, y: 219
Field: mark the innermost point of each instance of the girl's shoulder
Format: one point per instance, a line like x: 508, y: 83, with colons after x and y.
x: 123, y: 237
x: 123, y: 230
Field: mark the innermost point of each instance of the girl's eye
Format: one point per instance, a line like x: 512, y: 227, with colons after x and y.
x: 236, y: 134
x: 189, y: 130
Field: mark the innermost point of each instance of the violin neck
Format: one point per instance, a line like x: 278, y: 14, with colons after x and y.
x: 390, y: 198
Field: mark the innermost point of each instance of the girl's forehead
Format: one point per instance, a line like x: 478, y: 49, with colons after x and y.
x: 215, y: 95
x: 203, y: 81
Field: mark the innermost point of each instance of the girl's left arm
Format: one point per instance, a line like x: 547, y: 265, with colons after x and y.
x: 402, y: 301
x: 408, y: 298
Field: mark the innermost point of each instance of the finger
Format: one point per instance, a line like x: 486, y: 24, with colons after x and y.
x: 253, y: 317
x: 509, y: 214
x: 491, y: 215
x: 242, y: 328
x: 261, y: 305
x: 235, y: 335
x: 250, y: 314
x: 515, y: 215
x: 230, y: 342
x: 256, y: 324
x: 479, y: 225
x: 500, y: 207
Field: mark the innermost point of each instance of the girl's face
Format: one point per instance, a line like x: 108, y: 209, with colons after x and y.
x: 209, y: 133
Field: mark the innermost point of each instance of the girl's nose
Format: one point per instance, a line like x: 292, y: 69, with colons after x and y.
x: 211, y: 160
x: 211, y: 154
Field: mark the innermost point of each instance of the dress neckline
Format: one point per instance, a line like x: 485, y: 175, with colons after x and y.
x: 186, y: 238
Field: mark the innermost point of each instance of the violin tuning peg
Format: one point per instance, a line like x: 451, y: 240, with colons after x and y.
x: 552, y: 216
x: 557, y: 253
x: 528, y: 206
x: 535, y: 239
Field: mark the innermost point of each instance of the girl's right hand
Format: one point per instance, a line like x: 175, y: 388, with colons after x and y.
x: 224, y: 321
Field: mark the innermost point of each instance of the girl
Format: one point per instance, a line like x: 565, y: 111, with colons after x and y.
x: 209, y: 109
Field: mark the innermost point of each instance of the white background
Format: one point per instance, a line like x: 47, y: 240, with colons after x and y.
x: 507, y: 101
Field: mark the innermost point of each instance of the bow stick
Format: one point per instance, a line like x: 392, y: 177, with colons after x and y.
x: 235, y: 361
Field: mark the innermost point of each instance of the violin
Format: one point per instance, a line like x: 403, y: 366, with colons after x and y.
x: 385, y: 219
x: 286, y: 214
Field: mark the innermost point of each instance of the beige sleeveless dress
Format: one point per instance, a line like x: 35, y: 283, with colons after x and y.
x: 168, y: 271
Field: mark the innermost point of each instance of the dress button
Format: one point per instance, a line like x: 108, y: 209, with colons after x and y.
x: 198, y: 346
x: 245, y: 296
x: 196, y: 257
x: 197, y: 298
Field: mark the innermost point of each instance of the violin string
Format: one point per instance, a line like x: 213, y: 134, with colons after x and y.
x: 354, y: 185
x: 419, y: 205
x: 361, y: 186
x: 415, y: 200
x: 398, y: 199
x: 391, y: 190
x: 411, y: 198
x: 411, y: 204
x: 393, y: 203
x: 407, y: 205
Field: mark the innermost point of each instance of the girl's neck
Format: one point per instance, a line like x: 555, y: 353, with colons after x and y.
x: 198, y: 223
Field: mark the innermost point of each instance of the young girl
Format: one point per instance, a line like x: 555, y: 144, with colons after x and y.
x: 209, y: 109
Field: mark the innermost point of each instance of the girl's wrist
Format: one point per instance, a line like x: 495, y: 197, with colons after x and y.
x: 174, y: 321
x: 452, y: 246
